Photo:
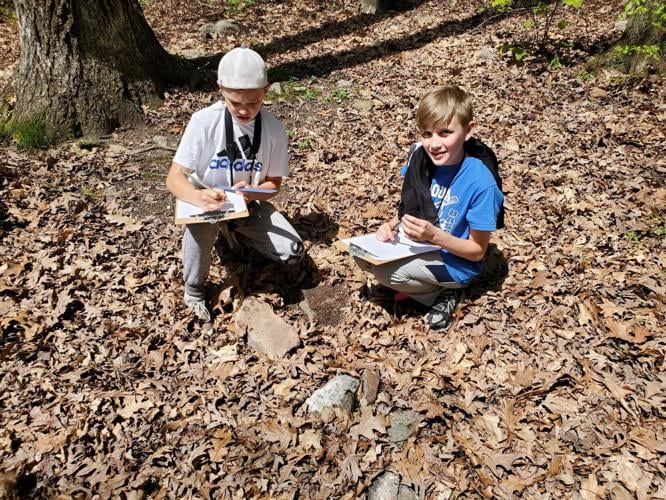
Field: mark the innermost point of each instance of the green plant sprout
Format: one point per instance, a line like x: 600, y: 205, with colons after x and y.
x: 304, y: 143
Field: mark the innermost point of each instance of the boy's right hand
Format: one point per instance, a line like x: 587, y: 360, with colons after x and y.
x: 386, y: 232
x: 211, y: 199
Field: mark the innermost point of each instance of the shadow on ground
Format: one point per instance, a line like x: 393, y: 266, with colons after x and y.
x: 323, y: 65
x: 252, y: 273
x: 316, y: 227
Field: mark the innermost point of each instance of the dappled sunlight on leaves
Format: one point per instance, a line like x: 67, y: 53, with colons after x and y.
x: 548, y: 383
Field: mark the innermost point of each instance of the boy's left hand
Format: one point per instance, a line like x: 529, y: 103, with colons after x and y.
x: 418, y: 229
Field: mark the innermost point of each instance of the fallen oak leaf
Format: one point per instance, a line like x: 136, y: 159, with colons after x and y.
x: 276, y: 433
x: 283, y: 389
x: 310, y: 439
x: 134, y: 405
x: 368, y: 424
x: 621, y: 330
x: 129, y: 224
x: 225, y: 354
x: 221, y: 439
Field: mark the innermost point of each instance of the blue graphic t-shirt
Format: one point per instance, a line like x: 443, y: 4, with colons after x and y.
x: 467, y: 198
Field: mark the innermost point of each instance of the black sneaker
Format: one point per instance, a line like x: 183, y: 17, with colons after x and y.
x: 440, y: 314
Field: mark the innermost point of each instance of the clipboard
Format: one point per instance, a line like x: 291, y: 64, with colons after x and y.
x: 370, y: 249
x: 233, y: 208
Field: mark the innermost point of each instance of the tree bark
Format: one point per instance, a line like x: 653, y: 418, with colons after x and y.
x: 642, y: 29
x: 87, y: 67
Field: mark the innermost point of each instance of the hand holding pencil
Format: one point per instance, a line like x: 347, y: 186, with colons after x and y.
x: 210, y: 198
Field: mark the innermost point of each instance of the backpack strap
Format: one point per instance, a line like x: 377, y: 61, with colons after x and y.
x: 474, y: 147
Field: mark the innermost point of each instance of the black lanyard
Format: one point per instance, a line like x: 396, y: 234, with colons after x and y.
x: 231, y: 150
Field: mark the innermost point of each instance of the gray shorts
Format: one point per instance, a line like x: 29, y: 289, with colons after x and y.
x: 416, y: 276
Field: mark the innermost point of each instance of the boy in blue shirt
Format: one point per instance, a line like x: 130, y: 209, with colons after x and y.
x: 449, y: 199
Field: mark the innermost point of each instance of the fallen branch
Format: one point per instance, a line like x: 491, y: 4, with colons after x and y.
x: 150, y: 148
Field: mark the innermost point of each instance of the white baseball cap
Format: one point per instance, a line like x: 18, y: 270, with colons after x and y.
x: 242, y: 68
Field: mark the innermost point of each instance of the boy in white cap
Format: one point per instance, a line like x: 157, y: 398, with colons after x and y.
x: 233, y: 142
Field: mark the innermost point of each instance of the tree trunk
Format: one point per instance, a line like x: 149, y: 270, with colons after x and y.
x: 644, y: 29
x: 87, y: 67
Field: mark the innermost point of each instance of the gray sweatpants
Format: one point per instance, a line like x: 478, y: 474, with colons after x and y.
x: 412, y: 276
x: 266, y: 230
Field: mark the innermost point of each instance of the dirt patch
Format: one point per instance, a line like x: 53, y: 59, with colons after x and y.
x: 324, y: 304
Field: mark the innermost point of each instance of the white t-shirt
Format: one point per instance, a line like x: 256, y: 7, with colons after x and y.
x: 204, y: 138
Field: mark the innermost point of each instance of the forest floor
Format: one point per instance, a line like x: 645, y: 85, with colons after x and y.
x: 549, y: 384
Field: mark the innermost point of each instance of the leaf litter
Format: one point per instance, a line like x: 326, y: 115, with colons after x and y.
x: 549, y: 383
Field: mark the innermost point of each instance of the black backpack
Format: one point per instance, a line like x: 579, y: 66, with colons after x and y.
x: 415, y: 199
x: 474, y: 147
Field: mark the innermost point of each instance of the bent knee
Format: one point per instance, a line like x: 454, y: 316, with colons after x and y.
x: 292, y: 254
x: 401, y: 278
x: 296, y: 253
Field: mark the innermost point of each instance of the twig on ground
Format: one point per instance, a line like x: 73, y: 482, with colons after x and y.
x: 150, y: 148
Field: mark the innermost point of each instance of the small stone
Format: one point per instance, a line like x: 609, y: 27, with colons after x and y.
x: 227, y: 25
x: 222, y: 26
x: 384, y: 487
x: 404, y: 423
x: 485, y: 54
x: 305, y: 307
x: 370, y: 385
x: 117, y: 149
x: 621, y: 24
x: 363, y: 104
x: 276, y: 88
x: 597, y: 92
x: 339, y: 392
x: 160, y: 140
x: 192, y: 53
x: 266, y: 332
x: 406, y: 493
x: 343, y: 84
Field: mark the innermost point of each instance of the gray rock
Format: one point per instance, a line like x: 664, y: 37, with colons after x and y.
x: 160, y: 140
x: 406, y: 493
x: 343, y: 84
x: 339, y: 392
x: 305, y: 306
x: 266, y: 332
x: 276, y: 88
x: 403, y: 424
x: 192, y: 53
x: 223, y: 26
x: 369, y: 385
x: 485, y: 54
x: 363, y: 104
x: 117, y: 149
x: 384, y: 487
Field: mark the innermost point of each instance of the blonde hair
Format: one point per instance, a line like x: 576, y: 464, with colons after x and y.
x: 439, y: 106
